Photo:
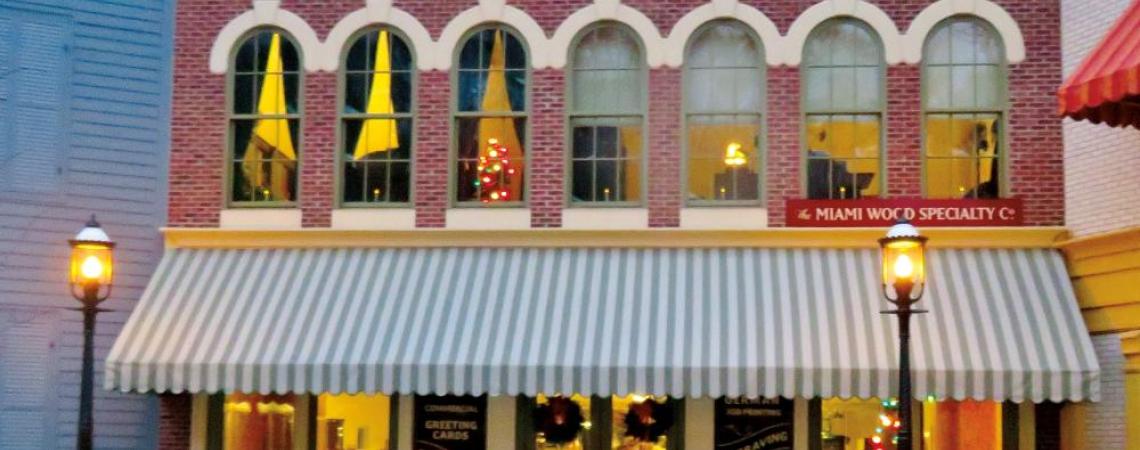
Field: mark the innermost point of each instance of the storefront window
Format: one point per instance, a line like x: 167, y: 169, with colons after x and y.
x: 354, y: 422
x: 641, y: 422
x: 256, y: 422
x: 873, y: 424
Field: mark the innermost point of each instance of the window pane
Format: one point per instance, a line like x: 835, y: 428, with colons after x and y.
x: 858, y: 424
x: 256, y: 422
x: 607, y: 162
x: 353, y: 422
x: 356, y: 92
x: 961, y: 425
x: 937, y: 86
x: 723, y: 159
x: 492, y: 73
x: 246, y: 55
x: 962, y: 153
x: 607, y: 91
x: 243, y: 94
x: 491, y: 160
x: 376, y: 157
x: 988, y: 84
x: 265, y: 163
x: 641, y: 422
x: 359, y: 55
x: 724, y: 89
x: 843, y: 156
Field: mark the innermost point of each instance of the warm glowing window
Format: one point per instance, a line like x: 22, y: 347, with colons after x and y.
x: 256, y: 422
x: 961, y: 425
x: 873, y: 424
x: 265, y: 120
x: 963, y: 82
x: 606, y: 111
x: 562, y: 422
x: 376, y: 120
x: 491, y: 118
x: 843, y: 102
x: 641, y: 422
x: 724, y: 101
x: 360, y: 422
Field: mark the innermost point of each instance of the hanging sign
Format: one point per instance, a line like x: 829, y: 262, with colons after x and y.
x: 754, y: 423
x: 450, y: 423
x: 882, y: 212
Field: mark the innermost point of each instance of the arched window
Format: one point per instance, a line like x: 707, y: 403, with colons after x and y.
x: 264, y: 120
x: 724, y: 104
x: 376, y: 120
x: 843, y: 102
x: 607, y: 95
x: 963, y: 103
x: 491, y: 118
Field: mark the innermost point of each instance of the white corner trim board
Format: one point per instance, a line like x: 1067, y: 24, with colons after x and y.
x: 607, y: 10
x: 378, y: 13
x: 265, y: 13
x: 986, y: 10
x: 659, y: 51
x: 820, y: 12
x: 678, y: 39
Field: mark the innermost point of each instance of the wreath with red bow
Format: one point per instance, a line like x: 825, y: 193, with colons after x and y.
x: 649, y: 420
x: 559, y: 420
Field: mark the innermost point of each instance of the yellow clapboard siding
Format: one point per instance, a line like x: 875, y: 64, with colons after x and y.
x: 1112, y: 319
x: 1113, y: 288
x: 1102, y: 244
x: 1100, y: 264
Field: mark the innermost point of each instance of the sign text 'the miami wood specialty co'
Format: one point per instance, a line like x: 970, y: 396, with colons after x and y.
x: 881, y: 212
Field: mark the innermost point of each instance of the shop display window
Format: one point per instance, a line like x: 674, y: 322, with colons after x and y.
x: 354, y: 422
x: 873, y: 424
x: 562, y: 422
x: 641, y: 422
x: 576, y: 422
x: 257, y: 422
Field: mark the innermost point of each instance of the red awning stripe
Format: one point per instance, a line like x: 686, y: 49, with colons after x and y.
x: 1110, y: 73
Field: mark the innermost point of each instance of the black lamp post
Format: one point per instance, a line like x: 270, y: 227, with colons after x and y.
x: 91, y: 275
x: 904, y: 277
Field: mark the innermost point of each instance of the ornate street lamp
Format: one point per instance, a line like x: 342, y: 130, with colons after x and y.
x: 904, y: 277
x: 91, y: 276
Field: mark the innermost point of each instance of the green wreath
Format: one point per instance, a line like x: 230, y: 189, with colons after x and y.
x: 649, y: 420
x: 559, y: 420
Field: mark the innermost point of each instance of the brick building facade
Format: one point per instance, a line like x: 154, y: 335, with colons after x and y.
x: 208, y: 30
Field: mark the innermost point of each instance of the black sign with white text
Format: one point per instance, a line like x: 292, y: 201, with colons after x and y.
x: 450, y: 423
x: 754, y: 423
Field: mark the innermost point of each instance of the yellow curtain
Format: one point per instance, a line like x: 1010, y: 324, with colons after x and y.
x: 955, y: 141
x: 270, y: 156
x: 379, y: 135
x: 502, y: 129
x: 849, y: 139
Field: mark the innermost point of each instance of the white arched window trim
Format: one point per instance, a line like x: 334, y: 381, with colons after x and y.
x: 611, y: 10
x: 377, y: 12
x: 985, y: 10
x: 793, y: 45
x: 265, y: 13
x: 723, y: 9
x: 489, y: 11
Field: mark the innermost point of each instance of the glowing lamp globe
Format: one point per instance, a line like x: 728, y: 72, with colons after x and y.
x: 904, y: 262
x: 92, y: 264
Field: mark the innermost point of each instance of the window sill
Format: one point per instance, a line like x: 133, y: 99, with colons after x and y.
x: 488, y: 218
x: 261, y: 218
x: 605, y: 218
x: 724, y: 218
x: 374, y: 219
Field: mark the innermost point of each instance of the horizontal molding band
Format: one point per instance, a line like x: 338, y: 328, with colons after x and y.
x: 981, y: 237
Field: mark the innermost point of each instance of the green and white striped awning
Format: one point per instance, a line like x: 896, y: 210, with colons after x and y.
x: 684, y: 322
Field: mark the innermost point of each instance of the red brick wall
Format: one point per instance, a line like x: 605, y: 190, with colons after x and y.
x: 174, y: 412
x: 198, y: 134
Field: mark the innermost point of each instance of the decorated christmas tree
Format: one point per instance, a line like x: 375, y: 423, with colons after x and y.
x: 886, y: 434
x: 495, y: 172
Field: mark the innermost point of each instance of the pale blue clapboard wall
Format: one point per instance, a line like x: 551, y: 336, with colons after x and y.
x: 84, y: 127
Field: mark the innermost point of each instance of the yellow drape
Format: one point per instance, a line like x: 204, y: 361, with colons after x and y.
x: 955, y: 139
x: 496, y: 99
x: 849, y: 139
x: 270, y: 147
x: 379, y: 135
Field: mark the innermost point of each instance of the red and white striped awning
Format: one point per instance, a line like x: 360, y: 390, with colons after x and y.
x: 1106, y: 86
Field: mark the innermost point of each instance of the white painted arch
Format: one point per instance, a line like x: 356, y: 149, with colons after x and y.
x: 378, y: 12
x: 723, y: 9
x: 986, y: 10
x: 266, y: 13
x: 491, y: 11
x: 603, y: 10
x: 792, y: 48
